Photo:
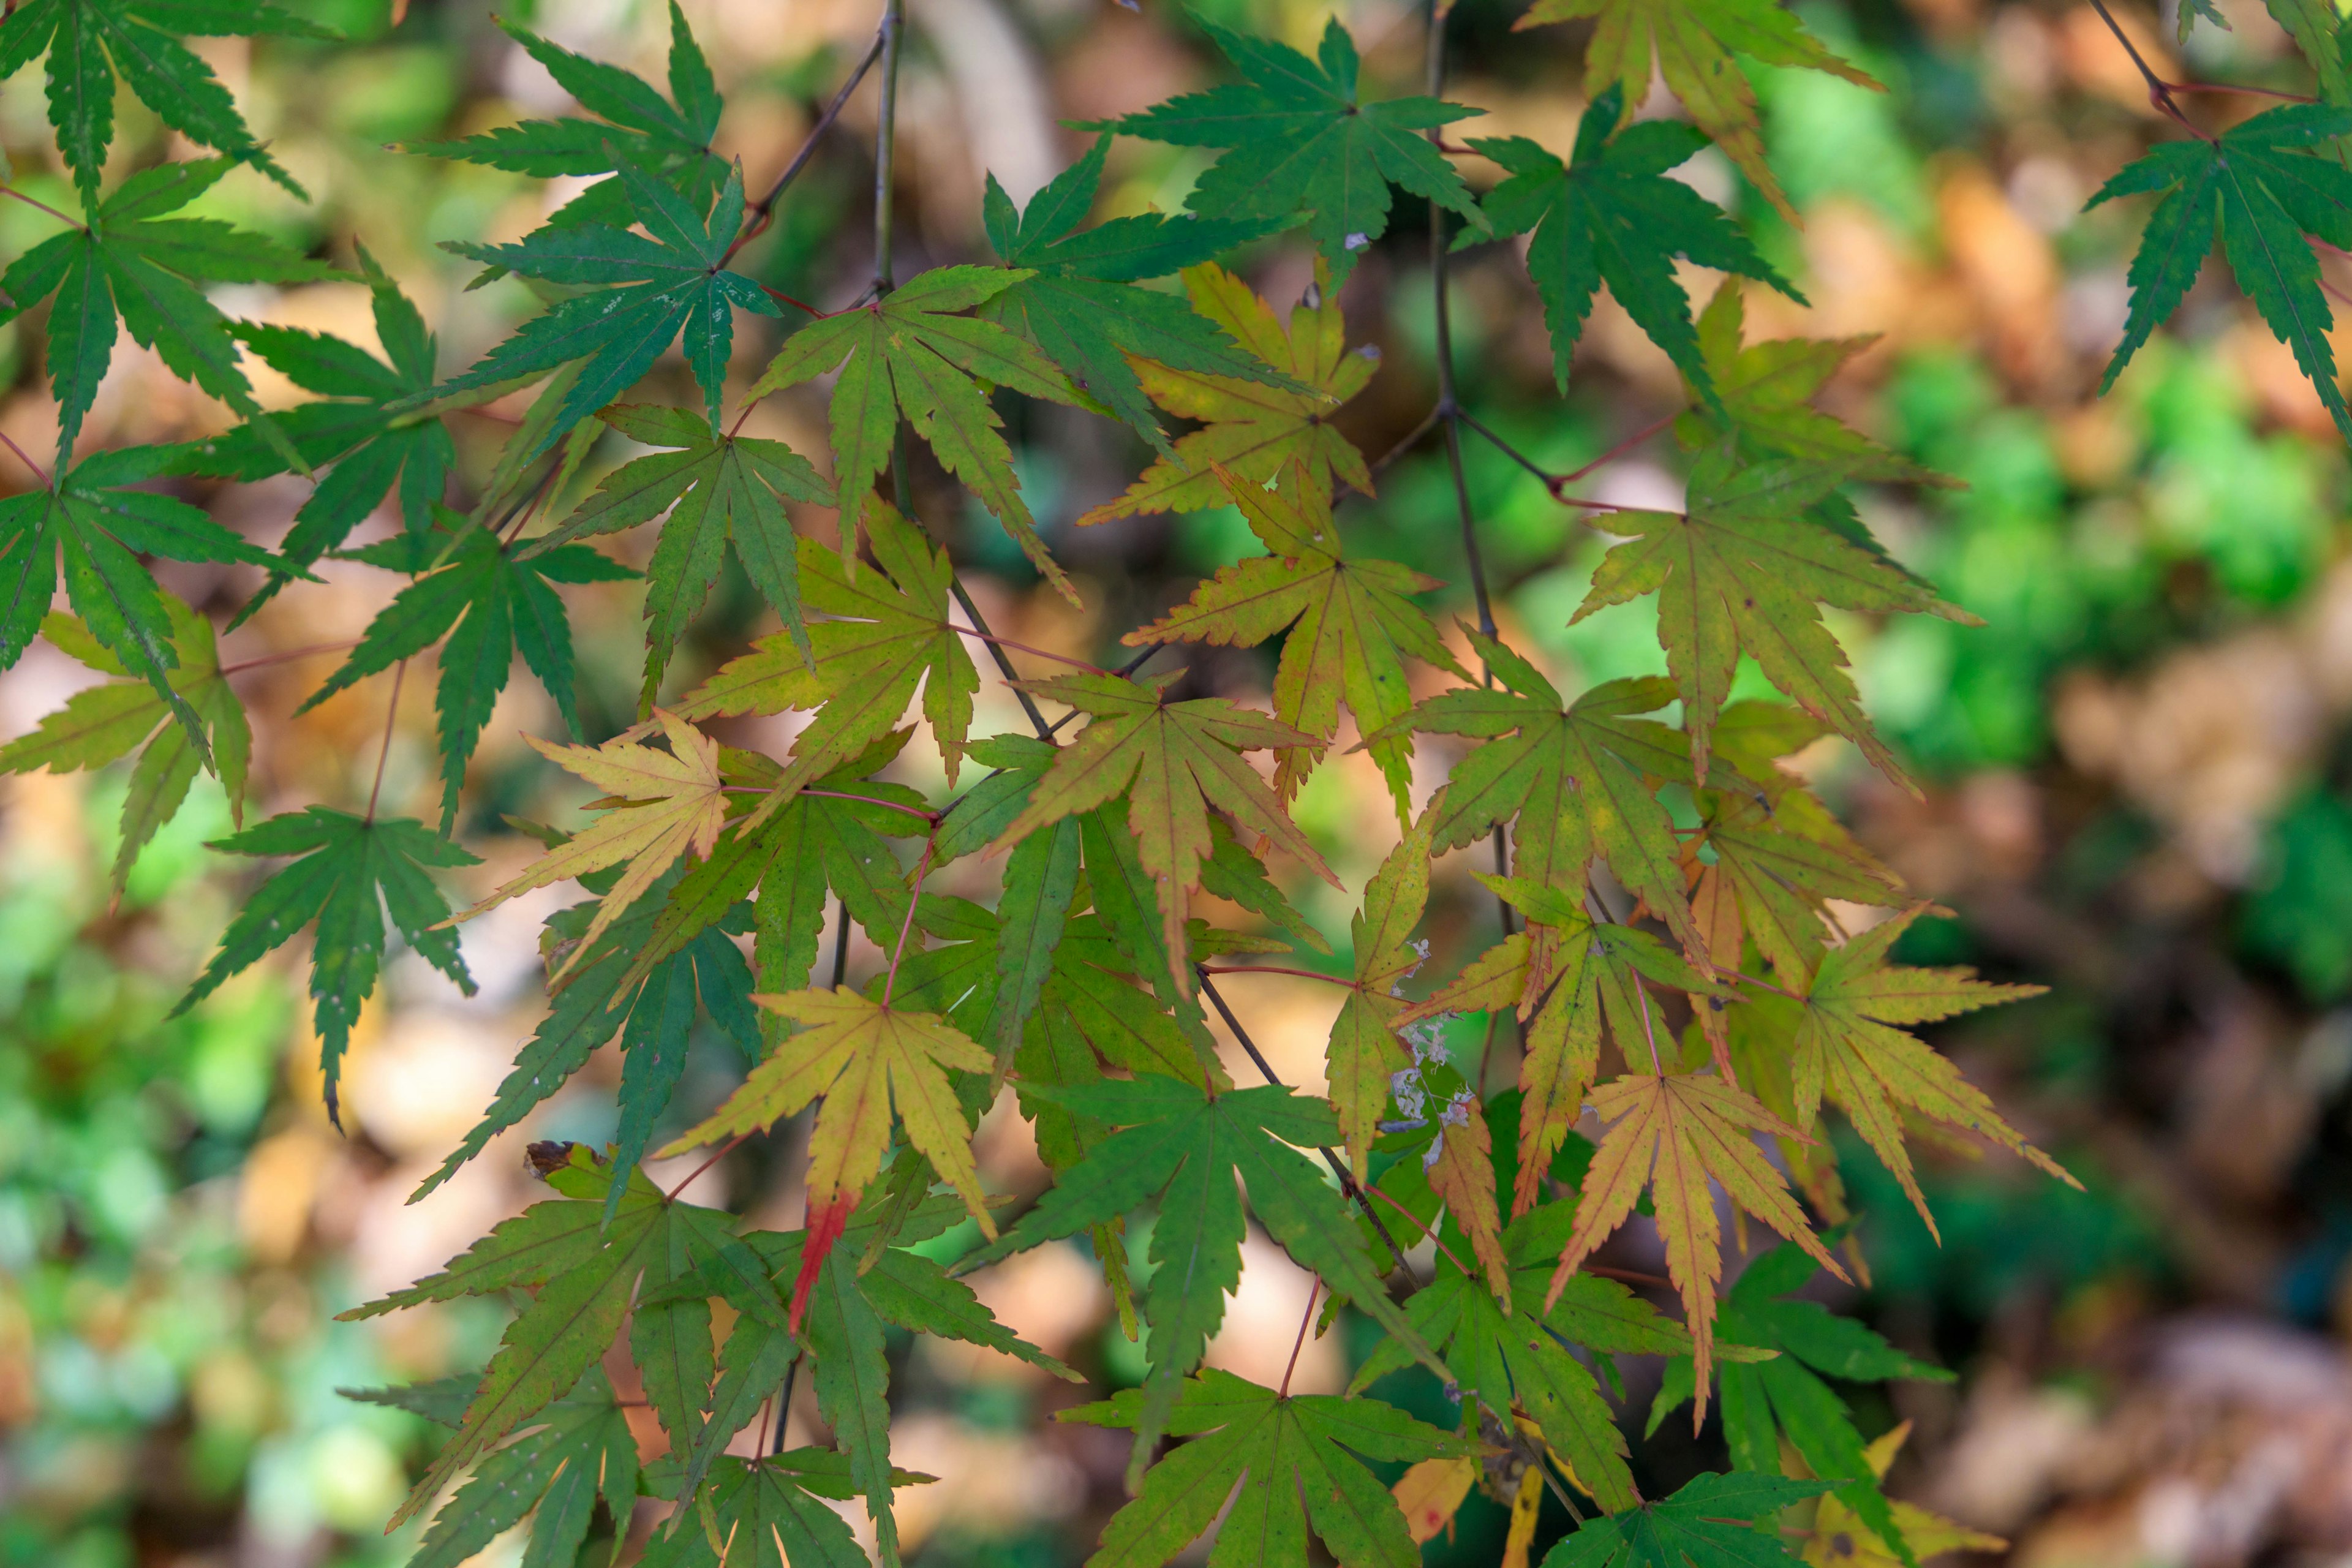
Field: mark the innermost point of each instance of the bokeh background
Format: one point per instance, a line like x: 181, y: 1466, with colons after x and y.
x: 2139, y: 783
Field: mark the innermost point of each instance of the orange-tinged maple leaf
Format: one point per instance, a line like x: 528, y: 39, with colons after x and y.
x: 1676, y: 1133
x: 1364, y: 1051
x: 1351, y: 622
x: 881, y: 637
x: 1181, y: 757
x: 1562, y: 975
x: 1461, y: 1171
x: 865, y: 1058
x: 1848, y: 1051
x: 658, y: 805
x: 1252, y: 428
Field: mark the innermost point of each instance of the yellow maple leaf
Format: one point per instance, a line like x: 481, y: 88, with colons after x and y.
x: 867, y: 1058
x: 657, y: 806
x: 1678, y: 1133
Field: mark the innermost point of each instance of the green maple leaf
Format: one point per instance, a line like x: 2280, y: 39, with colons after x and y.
x: 1706, y: 1524
x: 1850, y: 1049
x: 1693, y: 44
x: 1568, y: 777
x: 489, y: 603
x: 587, y: 1273
x: 132, y: 260
x: 774, y: 1506
x: 1300, y: 143
x: 102, y: 724
x: 1521, y: 1360
x: 722, y: 493
x: 1184, y: 1145
x: 91, y: 42
x: 1080, y: 304
x: 2315, y: 27
x: 1364, y: 1054
x: 908, y: 353
x: 670, y: 283
x: 887, y: 633
x: 349, y: 872
x: 94, y: 527
x: 374, y: 450
x: 1744, y: 571
x: 1612, y: 215
x: 2261, y: 187
x: 1766, y: 1401
x: 637, y: 126
x: 1349, y: 622
x: 1782, y: 866
x: 580, y: 1449
x: 1296, y: 1460
x: 1176, y: 756
x: 1253, y: 428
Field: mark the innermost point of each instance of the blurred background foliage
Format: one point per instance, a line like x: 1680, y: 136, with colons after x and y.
x: 2139, y: 783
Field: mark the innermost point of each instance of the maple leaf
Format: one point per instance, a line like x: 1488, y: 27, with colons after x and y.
x: 2314, y: 30
x: 1078, y: 303
x: 1571, y: 778
x: 909, y: 353
x: 1614, y: 216
x: 135, y: 37
x: 2263, y: 185
x: 1841, y: 1539
x: 1185, y: 1146
x: 885, y: 633
x: 1254, y: 429
x: 1692, y: 43
x: 587, y: 1271
x: 1289, y: 1461
x: 1782, y: 863
x: 1768, y: 1401
x: 723, y: 494
x: 350, y: 871
x: 867, y: 1058
x: 1300, y: 143
x: 1364, y: 1052
x: 1350, y: 625
x: 132, y: 261
x: 582, y: 1447
x: 775, y: 1505
x: 1561, y: 977
x: 1742, y: 570
x: 374, y: 450
x: 489, y: 603
x: 658, y: 807
x: 1847, y: 1049
x: 1177, y: 755
x: 1707, y: 1522
x: 1516, y: 1357
x: 94, y: 527
x: 1692, y: 1126
x: 635, y: 126
x: 100, y: 724
x: 669, y: 282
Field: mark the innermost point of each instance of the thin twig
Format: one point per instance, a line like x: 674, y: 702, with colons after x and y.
x: 1339, y: 1166
x: 763, y: 211
x: 30, y: 202
x: 1276, y: 969
x: 785, y: 1406
x: 291, y: 653
x: 1314, y: 1290
x: 1558, y: 483
x: 723, y: 1150
x: 995, y: 641
x: 383, y: 753
x: 916, y: 811
x: 892, y: 35
x: 2159, y: 91
x: 22, y: 457
x: 841, y: 947
x: 1621, y: 448
x: 907, y: 926
x: 1003, y: 665
x: 1428, y: 423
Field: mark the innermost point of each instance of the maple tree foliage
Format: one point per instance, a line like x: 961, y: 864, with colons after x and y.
x: 1678, y: 954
